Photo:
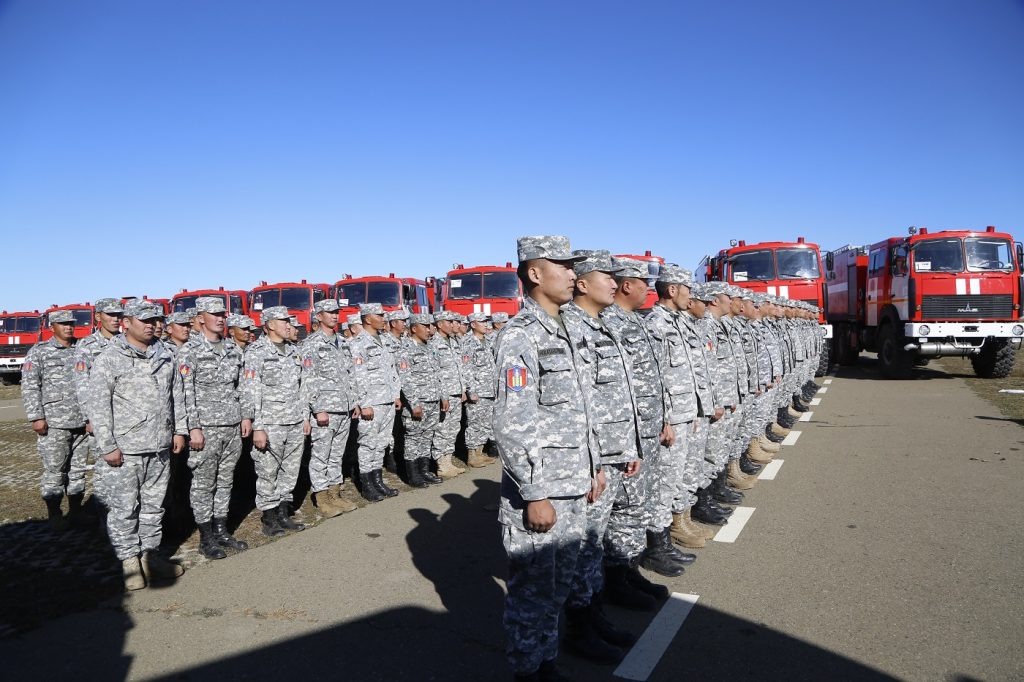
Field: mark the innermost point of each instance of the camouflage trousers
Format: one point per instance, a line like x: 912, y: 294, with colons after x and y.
x: 277, y: 467
x: 540, y: 573
x: 447, y: 432
x: 213, y: 471
x: 736, y: 445
x: 327, y: 451
x: 374, y: 435
x: 419, y: 433
x: 614, y: 532
x: 693, y: 470
x: 665, y: 477
x: 719, y: 447
x: 134, y: 497
x: 63, y: 453
x: 478, y: 423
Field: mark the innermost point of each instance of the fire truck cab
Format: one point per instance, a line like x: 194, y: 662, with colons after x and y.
x: 235, y: 300
x: 391, y: 292
x: 18, y: 332
x: 927, y: 295
x: 484, y: 289
x: 85, y: 319
x: 297, y: 297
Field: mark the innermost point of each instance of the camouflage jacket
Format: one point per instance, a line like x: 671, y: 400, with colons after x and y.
x: 699, y: 344
x: 420, y: 373
x: 450, y: 358
x: 377, y: 381
x: 735, y: 334
x: 393, y: 344
x: 48, y: 385
x: 328, y: 376
x: 681, y: 403
x: 748, y: 341
x: 481, y: 372
x: 723, y: 370
x: 271, y: 384
x: 86, y: 352
x: 211, y: 382
x: 645, y: 356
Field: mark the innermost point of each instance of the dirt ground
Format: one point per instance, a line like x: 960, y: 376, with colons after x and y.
x: 1011, y: 405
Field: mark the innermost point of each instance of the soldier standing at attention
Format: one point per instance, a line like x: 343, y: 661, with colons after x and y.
x: 480, y: 390
x: 211, y: 370
x: 328, y: 387
x: 423, y: 402
x: 394, y: 339
x: 51, y: 404
x: 238, y: 330
x: 548, y: 473
x: 193, y: 322
x: 378, y: 394
x: 449, y: 355
x: 355, y: 325
x: 138, y: 418
x: 178, y: 330
x: 271, y: 393
x: 498, y: 322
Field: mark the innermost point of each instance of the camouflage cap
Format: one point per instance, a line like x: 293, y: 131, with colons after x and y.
x: 759, y: 298
x: 393, y: 315
x: 60, y: 317
x: 328, y: 305
x: 180, y: 318
x: 459, y: 317
x: 294, y: 321
x: 276, y: 312
x: 421, y: 318
x: 370, y: 309
x: 552, y: 247
x: 701, y: 291
x: 444, y: 316
x: 499, y: 317
x: 210, y: 304
x: 716, y: 288
x: 597, y: 260
x: 673, y: 274
x: 744, y: 294
x: 142, y: 310
x: 734, y: 291
x: 476, y: 317
x: 354, y: 318
x: 110, y: 306
x: 191, y: 312
x: 631, y: 267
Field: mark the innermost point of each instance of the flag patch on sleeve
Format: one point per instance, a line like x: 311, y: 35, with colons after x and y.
x: 515, y: 378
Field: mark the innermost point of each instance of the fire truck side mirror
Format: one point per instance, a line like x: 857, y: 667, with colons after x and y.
x: 1020, y: 256
x: 829, y: 262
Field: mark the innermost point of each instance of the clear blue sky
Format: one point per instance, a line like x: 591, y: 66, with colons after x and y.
x: 148, y: 146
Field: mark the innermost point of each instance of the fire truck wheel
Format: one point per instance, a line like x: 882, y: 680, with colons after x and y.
x: 825, y: 361
x: 896, y: 363
x: 8, y: 379
x: 995, y: 360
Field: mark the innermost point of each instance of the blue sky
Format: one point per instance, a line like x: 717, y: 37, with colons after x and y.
x: 146, y: 147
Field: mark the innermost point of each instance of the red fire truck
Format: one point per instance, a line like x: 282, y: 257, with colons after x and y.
x: 482, y: 289
x: 235, y: 300
x: 18, y: 332
x: 298, y: 297
x: 391, y: 292
x: 85, y: 319
x: 928, y: 295
x: 788, y: 269
x: 654, y: 264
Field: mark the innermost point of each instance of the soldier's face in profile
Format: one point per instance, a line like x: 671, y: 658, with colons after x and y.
x: 635, y: 290
x: 64, y: 331
x: 600, y: 287
x: 398, y: 326
x: 555, y: 280
x: 376, y: 322
x: 682, y: 298
x: 498, y: 325
x: 697, y: 307
x: 421, y: 332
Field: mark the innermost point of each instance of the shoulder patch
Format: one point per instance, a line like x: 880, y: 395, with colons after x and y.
x: 515, y: 378
x: 80, y: 366
x: 27, y: 366
x: 184, y: 369
x: 307, y: 362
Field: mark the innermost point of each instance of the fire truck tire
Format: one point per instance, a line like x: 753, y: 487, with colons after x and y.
x: 9, y: 379
x: 896, y: 363
x: 825, y: 361
x: 995, y: 360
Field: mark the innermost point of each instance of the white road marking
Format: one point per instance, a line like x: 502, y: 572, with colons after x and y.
x: 823, y: 389
x: 828, y: 381
x: 9, y: 407
x: 791, y: 437
x: 806, y: 416
x: 815, y: 402
x: 641, y: 660
x: 731, y: 530
x: 770, y: 470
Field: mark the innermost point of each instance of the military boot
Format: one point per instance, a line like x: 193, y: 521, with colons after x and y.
x: 779, y: 430
x: 270, y: 524
x: 756, y: 454
x: 133, y: 578
x: 78, y: 517
x: 748, y: 467
x: 368, y: 489
x: 698, y: 528
x: 622, y: 590
x: 389, y: 460
x: 784, y: 418
x: 324, y: 502
x: 477, y: 458
x: 736, y: 478
x: 794, y: 414
x: 445, y: 468
x: 413, y: 476
x: 712, y: 503
x: 799, y: 406
x: 54, y: 515
x: 208, y: 546
x: 224, y: 536
x: 685, y: 536
x: 604, y: 627
x: 685, y: 558
x: 341, y: 502
x: 658, y: 557
x: 772, y: 436
x: 640, y: 582
x: 284, y: 515
x: 582, y: 638
x: 428, y: 475
x: 767, y: 445
x: 721, y: 490
x: 378, y: 480
x: 155, y: 566
x: 705, y: 512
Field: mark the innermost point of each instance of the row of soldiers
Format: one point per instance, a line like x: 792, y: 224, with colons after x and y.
x: 622, y: 435
x: 200, y: 384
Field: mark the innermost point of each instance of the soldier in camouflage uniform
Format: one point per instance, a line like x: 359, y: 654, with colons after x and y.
x: 51, y: 404
x: 179, y: 327
x: 449, y: 355
x: 193, y: 322
x: 542, y: 435
x: 378, y: 391
x: 422, y: 401
x: 498, y: 322
x: 239, y: 327
x: 397, y: 322
x: 480, y: 387
x: 355, y: 325
x: 328, y: 386
x: 211, y: 371
x: 271, y: 393
x: 137, y: 412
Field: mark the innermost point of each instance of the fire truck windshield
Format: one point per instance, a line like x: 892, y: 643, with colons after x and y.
x: 295, y: 298
x: 83, y: 318
x: 752, y: 265
x: 385, y: 293
x: 352, y: 294
x: 797, y: 264
x: 6, y: 325
x: 988, y: 254
x: 938, y: 255
x: 501, y: 285
x: 465, y: 287
x: 26, y: 324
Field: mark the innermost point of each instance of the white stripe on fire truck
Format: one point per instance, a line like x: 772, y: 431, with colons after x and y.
x: 975, y: 286
x: 961, y: 286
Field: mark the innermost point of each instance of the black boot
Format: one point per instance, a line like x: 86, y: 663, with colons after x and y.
x: 368, y: 489
x: 799, y: 406
x: 621, y: 591
x: 284, y: 514
x: 208, y: 542
x: 685, y: 558
x: 271, y: 524
x: 412, y: 474
x: 428, y: 475
x: 378, y: 480
x: 772, y: 436
x: 638, y: 581
x: 721, y: 491
x: 54, y: 515
x: 224, y: 536
x: 582, y: 638
x: 605, y: 628
x: 389, y: 461
x: 785, y: 419
x: 77, y: 516
x: 658, y: 557
x: 713, y: 504
x: 748, y: 466
x: 705, y: 513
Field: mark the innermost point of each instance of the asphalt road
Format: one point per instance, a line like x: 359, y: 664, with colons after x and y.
x: 887, y: 546
x: 12, y: 410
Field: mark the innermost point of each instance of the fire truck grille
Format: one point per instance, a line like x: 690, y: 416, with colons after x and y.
x: 990, y: 306
x: 14, y: 349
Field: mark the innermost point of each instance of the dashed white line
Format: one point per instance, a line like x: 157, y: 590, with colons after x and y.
x: 815, y: 402
x: 731, y: 530
x: 791, y: 438
x: 823, y: 389
x: 827, y: 382
x: 806, y: 416
x: 641, y: 660
x: 771, y: 469
x: 9, y: 407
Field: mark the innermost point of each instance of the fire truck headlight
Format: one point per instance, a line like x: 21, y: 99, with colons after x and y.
x: 1017, y: 330
x: 924, y: 330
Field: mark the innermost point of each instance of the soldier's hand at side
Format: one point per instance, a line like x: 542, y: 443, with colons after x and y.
x: 259, y: 440
x: 445, y: 405
x: 356, y: 411
x: 196, y: 439
x: 733, y: 409
x: 597, y: 486
x: 474, y: 398
x: 177, y: 443
x: 463, y: 397
x: 322, y: 419
x: 540, y: 516
x: 246, y: 428
x: 417, y: 412
x: 398, y: 404
x: 668, y: 435
x: 367, y: 413
x: 307, y: 428
x: 40, y: 427
x: 88, y: 427
x: 719, y: 413
x: 632, y: 468
x: 115, y: 458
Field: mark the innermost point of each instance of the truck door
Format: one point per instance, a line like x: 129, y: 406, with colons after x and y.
x: 900, y: 279
x: 876, y: 278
